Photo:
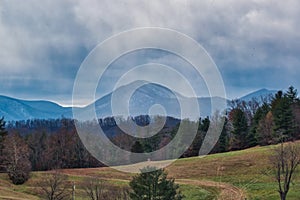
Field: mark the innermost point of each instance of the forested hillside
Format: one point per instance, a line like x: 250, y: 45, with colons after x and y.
x: 51, y: 144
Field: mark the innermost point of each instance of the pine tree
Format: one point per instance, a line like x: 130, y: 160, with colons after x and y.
x: 283, y: 115
x: 153, y: 184
x: 292, y: 94
x: 223, y: 140
x: 240, y: 128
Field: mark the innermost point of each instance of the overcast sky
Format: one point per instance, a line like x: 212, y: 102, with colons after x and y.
x: 254, y: 43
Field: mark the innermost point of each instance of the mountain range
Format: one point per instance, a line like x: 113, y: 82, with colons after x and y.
x: 143, y: 98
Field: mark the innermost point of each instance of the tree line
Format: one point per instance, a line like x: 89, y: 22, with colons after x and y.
x: 265, y: 121
x: 52, y: 144
x: 270, y: 122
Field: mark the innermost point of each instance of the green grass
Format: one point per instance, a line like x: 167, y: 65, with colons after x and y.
x: 243, y: 169
x: 192, y: 192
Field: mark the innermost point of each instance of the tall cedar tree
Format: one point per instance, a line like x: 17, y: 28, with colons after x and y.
x: 222, y: 145
x: 240, y: 128
x: 292, y: 95
x: 283, y: 117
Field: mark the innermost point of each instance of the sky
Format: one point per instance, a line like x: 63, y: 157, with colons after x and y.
x: 255, y: 43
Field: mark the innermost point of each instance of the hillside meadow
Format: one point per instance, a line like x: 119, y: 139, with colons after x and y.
x: 232, y: 175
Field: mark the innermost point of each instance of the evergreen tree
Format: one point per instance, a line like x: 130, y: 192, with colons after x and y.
x: 259, y: 115
x: 283, y: 116
x: 240, y: 128
x: 153, y: 184
x: 204, y: 124
x: 251, y: 139
x: 137, y: 147
x: 193, y: 150
x: 223, y: 140
x: 292, y: 94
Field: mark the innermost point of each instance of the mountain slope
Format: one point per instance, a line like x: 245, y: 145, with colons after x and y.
x: 15, y: 109
x: 258, y: 95
x: 140, y: 103
x: 145, y: 97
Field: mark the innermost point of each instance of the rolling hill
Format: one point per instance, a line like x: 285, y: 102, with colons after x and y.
x: 229, y: 176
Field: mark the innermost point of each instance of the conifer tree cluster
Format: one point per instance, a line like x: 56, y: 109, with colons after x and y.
x: 269, y: 122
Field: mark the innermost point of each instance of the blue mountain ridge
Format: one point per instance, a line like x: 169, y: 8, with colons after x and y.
x: 139, y: 104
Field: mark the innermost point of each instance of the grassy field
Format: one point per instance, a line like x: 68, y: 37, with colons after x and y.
x: 233, y: 175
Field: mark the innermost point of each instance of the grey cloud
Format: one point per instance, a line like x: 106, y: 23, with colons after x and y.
x: 49, y: 39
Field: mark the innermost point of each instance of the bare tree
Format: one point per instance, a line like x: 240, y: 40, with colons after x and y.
x: 94, y: 188
x: 3, y: 134
x: 16, y: 158
x: 97, y: 189
x: 285, y: 160
x: 54, y: 186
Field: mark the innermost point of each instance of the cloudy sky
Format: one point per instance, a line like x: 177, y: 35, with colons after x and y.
x: 255, y: 43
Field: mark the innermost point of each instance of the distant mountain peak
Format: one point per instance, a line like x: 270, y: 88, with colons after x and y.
x: 258, y: 94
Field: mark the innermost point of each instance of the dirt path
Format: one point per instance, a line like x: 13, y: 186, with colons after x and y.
x: 228, y: 192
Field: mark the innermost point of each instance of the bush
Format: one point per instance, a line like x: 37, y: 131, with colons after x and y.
x: 18, y: 177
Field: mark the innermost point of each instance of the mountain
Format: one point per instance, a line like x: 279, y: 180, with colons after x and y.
x: 142, y: 100
x: 258, y: 95
x: 16, y: 109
